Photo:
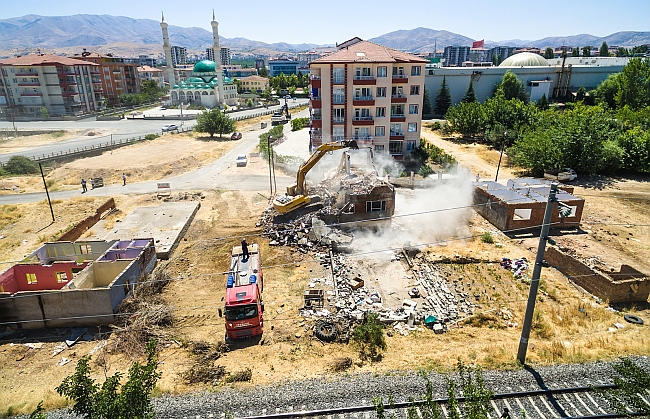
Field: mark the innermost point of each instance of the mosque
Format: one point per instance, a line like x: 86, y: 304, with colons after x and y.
x: 207, y: 86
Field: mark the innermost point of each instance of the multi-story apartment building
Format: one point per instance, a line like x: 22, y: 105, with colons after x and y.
x: 179, y: 56
x: 225, y: 55
x: 63, y: 86
x: 118, y: 75
x: 455, y: 56
x: 254, y: 84
x: 368, y: 93
x: 146, y: 72
x: 283, y: 66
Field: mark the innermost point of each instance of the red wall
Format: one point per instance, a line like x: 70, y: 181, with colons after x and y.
x: 15, y: 278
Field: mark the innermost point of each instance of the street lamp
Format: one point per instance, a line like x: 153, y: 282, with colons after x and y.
x: 503, y: 142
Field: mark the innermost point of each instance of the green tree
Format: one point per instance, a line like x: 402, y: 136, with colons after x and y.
x: 262, y: 72
x: 622, y: 52
x: 470, y: 95
x: 426, y: 103
x: 548, y: 54
x: 511, y: 87
x: 113, y: 400
x: 581, y: 93
x: 542, y: 103
x: 586, y: 51
x: 634, y: 84
x: 214, y: 121
x: 635, y: 144
x: 605, y: 93
x: 604, y: 50
x: 151, y: 90
x: 21, y: 165
x: 443, y: 99
x: 575, y: 52
x: 496, y: 60
x: 249, y: 103
x: 467, y: 118
x: 369, y: 335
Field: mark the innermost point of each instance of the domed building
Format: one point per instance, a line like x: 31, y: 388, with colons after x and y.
x: 202, y: 87
x: 525, y: 59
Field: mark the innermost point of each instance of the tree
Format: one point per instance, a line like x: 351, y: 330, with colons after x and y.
x: 605, y: 93
x: 622, y: 52
x: 151, y: 90
x: 604, y: 50
x: 443, y: 99
x: 581, y: 93
x: 467, y: 118
x: 496, y: 60
x: 426, y: 103
x: 542, y: 103
x: 586, y: 51
x: 21, y: 165
x: 133, y: 399
x: 511, y: 87
x: 214, y: 121
x: 470, y: 95
x: 575, y: 52
x: 548, y: 54
x: 262, y: 72
x: 634, y: 84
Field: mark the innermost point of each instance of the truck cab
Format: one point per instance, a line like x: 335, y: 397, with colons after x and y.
x: 244, y: 307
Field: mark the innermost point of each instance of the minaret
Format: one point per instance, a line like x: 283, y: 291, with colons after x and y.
x: 168, y: 52
x: 217, y: 58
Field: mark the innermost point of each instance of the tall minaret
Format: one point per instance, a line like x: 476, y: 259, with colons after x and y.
x: 168, y: 52
x: 217, y: 58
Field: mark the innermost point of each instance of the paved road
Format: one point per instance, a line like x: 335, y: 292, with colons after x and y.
x: 205, y: 178
x: 122, y: 129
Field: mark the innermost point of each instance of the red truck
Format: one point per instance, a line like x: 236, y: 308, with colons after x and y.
x: 244, y: 307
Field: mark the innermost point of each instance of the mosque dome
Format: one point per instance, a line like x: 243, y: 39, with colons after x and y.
x: 205, y: 66
x: 525, y: 59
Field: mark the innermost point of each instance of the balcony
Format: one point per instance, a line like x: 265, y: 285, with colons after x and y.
x: 315, y: 81
x: 398, y: 98
x: 316, y: 103
x: 363, y: 101
x: 362, y: 137
x: 316, y: 123
x: 400, y: 79
x: 396, y: 135
x: 338, y: 120
x: 29, y: 83
x: 362, y: 120
x: 316, y: 116
x: 364, y: 80
x: 31, y: 94
x: 27, y: 74
x: 338, y: 80
x: 397, y: 117
x: 338, y: 100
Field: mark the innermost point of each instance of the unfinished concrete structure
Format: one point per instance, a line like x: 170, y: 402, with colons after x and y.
x: 82, y: 288
x: 628, y: 285
x: 520, y: 206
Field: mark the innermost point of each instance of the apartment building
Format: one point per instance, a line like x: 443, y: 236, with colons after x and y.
x: 146, y: 72
x: 63, y: 86
x: 254, y: 84
x: 225, y: 55
x: 118, y: 75
x: 368, y: 93
x: 179, y: 56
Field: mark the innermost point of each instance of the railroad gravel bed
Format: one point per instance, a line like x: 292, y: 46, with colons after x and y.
x: 359, y: 389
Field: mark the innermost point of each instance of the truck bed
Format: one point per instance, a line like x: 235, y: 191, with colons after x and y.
x: 242, y: 268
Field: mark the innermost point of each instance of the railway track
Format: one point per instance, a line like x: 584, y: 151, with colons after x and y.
x: 565, y: 403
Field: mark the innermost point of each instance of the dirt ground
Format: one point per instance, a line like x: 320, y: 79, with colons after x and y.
x: 569, y: 326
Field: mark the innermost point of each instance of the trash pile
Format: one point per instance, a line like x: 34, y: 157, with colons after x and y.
x: 434, y: 301
x: 517, y: 267
x: 305, y: 233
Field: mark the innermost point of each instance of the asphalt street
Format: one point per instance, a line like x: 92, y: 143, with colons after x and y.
x: 111, y: 130
x: 205, y: 178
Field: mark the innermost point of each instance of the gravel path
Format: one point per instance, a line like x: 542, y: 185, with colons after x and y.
x: 360, y: 389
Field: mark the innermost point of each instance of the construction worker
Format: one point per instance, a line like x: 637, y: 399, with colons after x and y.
x: 244, y: 248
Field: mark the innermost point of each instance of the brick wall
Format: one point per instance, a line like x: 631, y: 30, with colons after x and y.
x: 75, y: 232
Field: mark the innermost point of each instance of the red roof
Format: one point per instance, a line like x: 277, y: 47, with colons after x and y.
x: 42, y: 59
x: 366, y: 51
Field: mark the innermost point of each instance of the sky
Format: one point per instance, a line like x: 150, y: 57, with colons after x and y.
x: 331, y: 21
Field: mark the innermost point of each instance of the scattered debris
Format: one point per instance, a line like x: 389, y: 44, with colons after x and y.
x: 37, y: 345
x: 341, y: 364
x: 59, y: 348
x: 62, y: 362
x: 517, y: 267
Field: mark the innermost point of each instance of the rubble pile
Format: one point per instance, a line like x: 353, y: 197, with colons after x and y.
x: 517, y: 267
x: 305, y: 233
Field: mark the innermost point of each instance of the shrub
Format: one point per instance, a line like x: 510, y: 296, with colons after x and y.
x: 487, y: 237
x: 370, y: 337
x: 299, y: 123
x: 150, y: 137
x: 21, y: 165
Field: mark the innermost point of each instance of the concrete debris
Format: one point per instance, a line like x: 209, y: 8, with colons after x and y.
x: 36, y: 345
x: 62, y: 362
x: 59, y: 348
x: 305, y: 233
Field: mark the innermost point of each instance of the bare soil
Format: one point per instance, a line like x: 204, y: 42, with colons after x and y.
x: 569, y: 326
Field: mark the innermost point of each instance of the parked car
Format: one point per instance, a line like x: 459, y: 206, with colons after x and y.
x: 236, y: 136
x: 242, y: 160
x: 170, y: 127
x: 564, y: 175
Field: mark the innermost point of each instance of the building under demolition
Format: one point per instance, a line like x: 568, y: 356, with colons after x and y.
x: 520, y: 206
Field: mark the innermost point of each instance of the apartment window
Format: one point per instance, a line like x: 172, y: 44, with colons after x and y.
x: 380, y: 131
x: 413, y: 109
x: 338, y: 115
x: 415, y: 70
x: 338, y: 75
x: 397, y: 91
x: 362, y: 93
x: 381, y: 72
x: 396, y: 129
x: 363, y: 72
x: 31, y: 279
x: 395, y: 147
x: 397, y: 110
x: 410, y: 146
x: 85, y: 249
x: 381, y: 92
x: 15, y: 80
x: 338, y: 95
x: 375, y: 206
x: 379, y: 148
x: 338, y: 134
x: 380, y: 112
x: 412, y: 127
x: 415, y: 90
x: 398, y: 71
x: 61, y: 277
x: 362, y: 113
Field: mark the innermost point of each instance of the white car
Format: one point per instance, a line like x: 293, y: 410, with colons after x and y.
x: 241, y: 160
x: 170, y: 127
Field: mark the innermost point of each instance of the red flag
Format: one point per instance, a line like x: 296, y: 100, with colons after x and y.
x: 478, y: 44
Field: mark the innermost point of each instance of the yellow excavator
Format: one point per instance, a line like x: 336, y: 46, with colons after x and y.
x: 296, y: 196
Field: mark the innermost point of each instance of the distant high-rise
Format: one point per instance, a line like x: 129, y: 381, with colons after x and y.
x: 455, y: 56
x: 179, y: 55
x: 225, y: 55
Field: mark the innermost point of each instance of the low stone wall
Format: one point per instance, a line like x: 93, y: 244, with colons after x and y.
x: 79, y: 229
x: 628, y: 285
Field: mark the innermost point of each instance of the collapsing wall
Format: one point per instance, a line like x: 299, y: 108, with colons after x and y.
x: 627, y: 286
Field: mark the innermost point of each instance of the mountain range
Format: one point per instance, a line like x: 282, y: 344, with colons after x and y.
x: 92, y: 31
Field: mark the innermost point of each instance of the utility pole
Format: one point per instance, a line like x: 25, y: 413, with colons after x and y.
x: 534, y: 282
x: 503, y: 142
x: 46, y: 191
x: 268, y: 150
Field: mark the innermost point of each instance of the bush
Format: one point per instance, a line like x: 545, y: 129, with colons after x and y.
x: 299, y: 123
x: 487, y: 237
x: 370, y: 337
x: 150, y: 137
x: 425, y: 170
x: 21, y: 165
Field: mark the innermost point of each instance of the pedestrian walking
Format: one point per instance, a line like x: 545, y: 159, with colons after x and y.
x: 123, y: 179
x: 92, y: 183
x: 244, y: 248
x: 478, y: 177
x: 83, y: 186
